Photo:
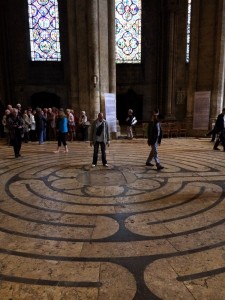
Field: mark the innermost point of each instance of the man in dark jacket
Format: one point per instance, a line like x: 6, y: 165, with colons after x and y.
x: 154, y: 140
x: 220, y: 126
x: 40, y: 120
x: 15, y: 123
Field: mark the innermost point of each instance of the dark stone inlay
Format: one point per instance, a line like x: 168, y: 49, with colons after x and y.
x: 201, y: 275
x: 45, y: 222
x: 189, y: 215
x: 49, y: 282
x: 122, y: 235
x: 106, y: 177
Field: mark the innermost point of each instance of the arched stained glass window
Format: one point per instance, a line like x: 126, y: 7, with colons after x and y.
x: 44, y: 30
x: 128, y: 31
x: 188, y: 32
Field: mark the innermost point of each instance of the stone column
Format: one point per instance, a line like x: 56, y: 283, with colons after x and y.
x: 2, y: 92
x: 217, y: 102
x: 193, y: 61
x: 73, y: 94
x: 112, y: 57
x: 93, y: 56
x: 6, y: 90
x: 171, y: 61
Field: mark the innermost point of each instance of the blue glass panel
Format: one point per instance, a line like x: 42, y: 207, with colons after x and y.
x: 128, y: 31
x: 44, y: 30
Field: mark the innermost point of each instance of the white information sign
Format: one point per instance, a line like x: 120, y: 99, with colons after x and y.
x: 201, y: 110
x: 110, y: 111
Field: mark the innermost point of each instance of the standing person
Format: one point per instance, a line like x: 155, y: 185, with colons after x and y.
x: 6, y: 129
x: 15, y: 124
x: 51, y: 123
x: 99, y: 135
x: 154, y: 140
x: 62, y: 128
x: 40, y: 122
x: 45, y: 131
x: 220, y: 126
x: 32, y: 133
x: 71, y: 122
x: 26, y: 126
x: 19, y: 107
x: 131, y: 121
x: 83, y: 126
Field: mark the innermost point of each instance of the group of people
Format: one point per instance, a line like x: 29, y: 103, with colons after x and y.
x: 41, y: 125
x: 31, y: 124
x: 16, y: 123
x: 99, y: 136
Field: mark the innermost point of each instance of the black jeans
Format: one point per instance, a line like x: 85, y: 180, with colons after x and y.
x: 95, y: 155
x: 62, y: 136
x: 16, y: 142
x: 84, y: 133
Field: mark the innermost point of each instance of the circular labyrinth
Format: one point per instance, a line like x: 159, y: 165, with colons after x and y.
x: 69, y: 231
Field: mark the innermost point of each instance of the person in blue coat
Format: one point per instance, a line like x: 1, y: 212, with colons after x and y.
x: 62, y: 130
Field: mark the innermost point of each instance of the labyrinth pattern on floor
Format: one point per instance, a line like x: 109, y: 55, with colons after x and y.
x: 69, y: 231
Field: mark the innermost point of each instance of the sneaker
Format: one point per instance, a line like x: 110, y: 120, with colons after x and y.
x: 159, y: 167
x: 216, y: 148
x: 105, y: 165
x: 93, y: 165
x: 149, y: 164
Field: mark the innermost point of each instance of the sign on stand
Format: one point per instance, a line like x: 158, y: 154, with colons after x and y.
x: 110, y: 111
x: 201, y: 110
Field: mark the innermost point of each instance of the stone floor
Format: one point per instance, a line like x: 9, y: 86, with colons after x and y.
x: 69, y: 231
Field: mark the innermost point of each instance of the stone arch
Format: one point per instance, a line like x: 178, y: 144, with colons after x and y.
x: 128, y: 100
x: 45, y: 99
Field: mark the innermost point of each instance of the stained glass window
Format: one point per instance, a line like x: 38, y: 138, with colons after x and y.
x: 188, y: 32
x: 128, y: 31
x: 44, y: 30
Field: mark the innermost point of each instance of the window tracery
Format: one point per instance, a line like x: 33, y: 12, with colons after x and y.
x: 128, y: 31
x: 44, y: 30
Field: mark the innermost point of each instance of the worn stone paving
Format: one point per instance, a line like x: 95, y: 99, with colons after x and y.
x: 69, y: 231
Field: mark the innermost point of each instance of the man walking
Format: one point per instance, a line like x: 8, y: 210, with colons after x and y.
x: 220, y: 126
x: 154, y: 140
